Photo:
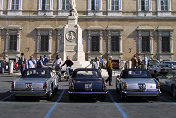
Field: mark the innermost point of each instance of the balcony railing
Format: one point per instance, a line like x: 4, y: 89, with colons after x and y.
x: 86, y: 13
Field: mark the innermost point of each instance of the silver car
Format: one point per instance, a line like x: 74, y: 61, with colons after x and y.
x: 168, y: 82
x: 138, y: 83
x: 35, y: 82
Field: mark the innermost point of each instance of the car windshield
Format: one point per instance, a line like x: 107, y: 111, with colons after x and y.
x: 136, y: 74
x: 153, y: 62
x: 173, y: 63
x: 86, y: 74
x: 36, y: 73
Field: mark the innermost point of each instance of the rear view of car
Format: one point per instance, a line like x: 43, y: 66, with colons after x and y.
x: 87, y: 83
x: 138, y: 83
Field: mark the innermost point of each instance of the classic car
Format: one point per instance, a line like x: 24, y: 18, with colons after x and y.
x: 87, y: 82
x: 138, y: 83
x: 159, y: 68
x: 168, y: 82
x: 173, y: 63
x: 35, y: 82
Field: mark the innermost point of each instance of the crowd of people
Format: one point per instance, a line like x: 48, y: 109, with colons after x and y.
x: 137, y: 62
x: 23, y: 64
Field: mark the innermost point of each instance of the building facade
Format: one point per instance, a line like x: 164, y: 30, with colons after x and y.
x: 120, y: 28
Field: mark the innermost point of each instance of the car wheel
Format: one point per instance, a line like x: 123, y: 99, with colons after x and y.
x: 123, y: 97
x: 71, y: 97
x: 155, y: 98
x: 102, y: 98
x: 49, y: 96
x: 174, y: 92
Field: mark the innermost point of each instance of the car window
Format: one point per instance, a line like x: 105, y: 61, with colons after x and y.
x: 136, y: 74
x: 86, y: 74
x: 38, y: 73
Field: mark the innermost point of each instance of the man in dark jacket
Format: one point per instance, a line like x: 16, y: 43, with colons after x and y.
x: 68, y: 63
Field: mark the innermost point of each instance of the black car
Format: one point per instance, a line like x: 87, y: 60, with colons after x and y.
x: 87, y: 82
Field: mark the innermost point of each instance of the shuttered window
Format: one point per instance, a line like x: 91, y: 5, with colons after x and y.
x: 165, y: 44
x: 95, y: 43
x: 115, y: 44
x: 13, y: 43
x: 44, y: 43
x: 145, y: 44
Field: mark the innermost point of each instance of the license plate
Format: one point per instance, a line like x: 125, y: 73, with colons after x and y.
x: 142, y: 86
x: 28, y: 86
x: 88, y: 86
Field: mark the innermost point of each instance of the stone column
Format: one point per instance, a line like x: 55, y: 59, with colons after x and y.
x: 120, y: 41
x: 1, y: 7
x: 38, y: 41
x: 101, y: 42
x: 18, y: 41
x: 139, y: 42
x: 109, y: 42
x: 159, y: 41
x: 50, y: 40
x: 171, y: 41
x: 89, y: 5
x: 151, y: 41
x: 109, y: 5
x: 59, y: 38
x: 7, y: 41
x: 88, y: 42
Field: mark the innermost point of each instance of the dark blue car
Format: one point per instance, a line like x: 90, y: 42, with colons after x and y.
x: 87, y: 82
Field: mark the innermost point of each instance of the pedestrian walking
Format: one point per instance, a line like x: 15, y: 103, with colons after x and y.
x: 109, y: 69
x: 31, y: 63
x: 57, y: 63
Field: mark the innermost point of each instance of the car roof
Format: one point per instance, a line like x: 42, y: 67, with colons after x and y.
x: 135, y: 69
x: 85, y: 69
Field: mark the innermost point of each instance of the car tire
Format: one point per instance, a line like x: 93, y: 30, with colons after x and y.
x: 174, y: 92
x: 102, y: 98
x: 71, y: 97
x: 155, y: 98
x: 123, y: 97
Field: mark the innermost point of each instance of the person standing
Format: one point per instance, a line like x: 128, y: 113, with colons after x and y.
x: 57, y: 63
x: 102, y: 62
x: 68, y: 63
x: 40, y: 62
x: 31, y: 63
x: 145, y: 62
x: 96, y: 63
x: 22, y: 67
x: 134, y: 61
x: 109, y: 69
x: 45, y: 60
x: 139, y: 62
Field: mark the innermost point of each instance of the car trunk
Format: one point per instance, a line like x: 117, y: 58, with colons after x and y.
x: 30, y: 84
x: 140, y: 84
x: 88, y: 85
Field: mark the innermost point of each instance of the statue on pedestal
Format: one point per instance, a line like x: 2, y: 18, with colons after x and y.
x: 73, y: 11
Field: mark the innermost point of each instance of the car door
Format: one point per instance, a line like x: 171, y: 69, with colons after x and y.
x: 169, y: 81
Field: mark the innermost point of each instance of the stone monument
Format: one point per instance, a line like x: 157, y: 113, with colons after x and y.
x: 72, y: 42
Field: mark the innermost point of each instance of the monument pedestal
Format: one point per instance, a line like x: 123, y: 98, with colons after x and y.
x: 72, y: 43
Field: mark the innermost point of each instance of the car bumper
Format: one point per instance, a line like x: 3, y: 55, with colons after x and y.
x: 29, y: 93
x: 142, y: 94
x: 87, y: 94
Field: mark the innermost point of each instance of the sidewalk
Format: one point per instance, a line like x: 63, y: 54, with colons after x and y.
x: 104, y: 73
